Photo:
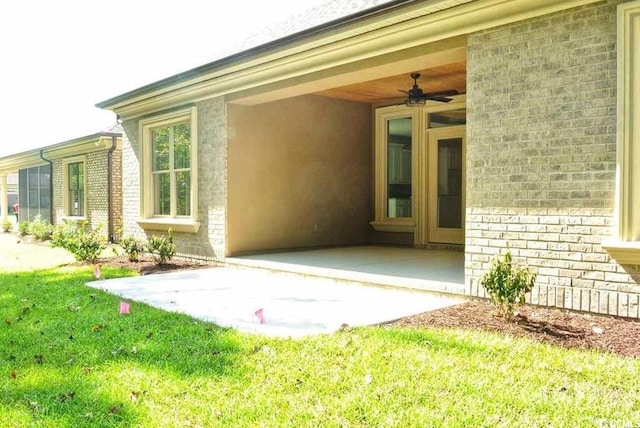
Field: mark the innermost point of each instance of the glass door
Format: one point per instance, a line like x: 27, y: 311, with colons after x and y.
x: 445, y: 200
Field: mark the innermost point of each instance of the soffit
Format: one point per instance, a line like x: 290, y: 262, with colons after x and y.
x: 442, y: 78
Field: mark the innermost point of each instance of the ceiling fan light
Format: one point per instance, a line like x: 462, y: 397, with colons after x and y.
x: 415, y: 102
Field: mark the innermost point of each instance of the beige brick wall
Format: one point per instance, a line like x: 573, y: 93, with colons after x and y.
x: 97, y: 193
x: 130, y: 180
x: 541, y: 156
x: 116, y: 191
x: 209, y: 242
x: 57, y: 212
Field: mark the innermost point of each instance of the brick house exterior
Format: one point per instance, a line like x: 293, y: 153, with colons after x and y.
x: 101, y: 156
x: 549, y: 140
x: 541, y: 157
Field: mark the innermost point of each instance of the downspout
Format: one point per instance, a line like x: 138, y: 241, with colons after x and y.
x: 50, y: 184
x: 110, y: 231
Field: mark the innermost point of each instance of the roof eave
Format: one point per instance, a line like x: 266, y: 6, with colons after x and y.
x: 239, y: 57
x: 404, y: 25
x: 74, y: 147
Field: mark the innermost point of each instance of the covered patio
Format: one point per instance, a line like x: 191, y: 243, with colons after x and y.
x: 300, y: 293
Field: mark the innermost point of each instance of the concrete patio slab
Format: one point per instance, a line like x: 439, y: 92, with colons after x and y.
x: 291, y: 306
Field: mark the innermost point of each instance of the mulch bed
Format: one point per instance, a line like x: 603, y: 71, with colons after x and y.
x: 146, y: 265
x: 555, y: 326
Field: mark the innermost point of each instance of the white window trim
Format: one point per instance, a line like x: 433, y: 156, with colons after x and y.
x: 625, y: 245
x: 65, y: 186
x: 148, y: 220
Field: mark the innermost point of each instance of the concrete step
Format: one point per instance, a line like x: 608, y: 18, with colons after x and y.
x: 392, y: 278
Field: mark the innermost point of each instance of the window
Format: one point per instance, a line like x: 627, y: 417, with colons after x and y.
x: 625, y: 246
x: 395, y: 151
x: 75, y: 189
x: 169, y: 172
x: 74, y: 186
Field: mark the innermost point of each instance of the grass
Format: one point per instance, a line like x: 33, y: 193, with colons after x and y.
x: 69, y: 359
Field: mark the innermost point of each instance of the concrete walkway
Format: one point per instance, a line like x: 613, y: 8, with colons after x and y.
x: 290, y: 306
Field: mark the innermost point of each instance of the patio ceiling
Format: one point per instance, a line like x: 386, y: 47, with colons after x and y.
x: 441, y: 78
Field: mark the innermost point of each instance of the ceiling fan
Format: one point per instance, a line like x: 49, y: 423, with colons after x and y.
x: 416, y: 97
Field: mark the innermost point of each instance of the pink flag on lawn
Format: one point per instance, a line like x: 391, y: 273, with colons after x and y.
x: 124, y: 308
x: 260, y: 314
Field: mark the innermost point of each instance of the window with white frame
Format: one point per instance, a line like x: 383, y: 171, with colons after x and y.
x: 75, y: 189
x: 169, y: 171
x: 74, y: 180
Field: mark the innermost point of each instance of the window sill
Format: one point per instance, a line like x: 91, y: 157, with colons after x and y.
x: 76, y: 219
x: 407, y: 225
x: 624, y: 252
x: 164, y: 224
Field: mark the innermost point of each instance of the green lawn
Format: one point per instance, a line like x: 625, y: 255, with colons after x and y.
x: 68, y: 358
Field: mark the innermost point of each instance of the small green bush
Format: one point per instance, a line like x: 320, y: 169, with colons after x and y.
x: 23, y: 227
x: 132, y: 247
x: 63, y: 233
x: 162, y: 248
x: 7, y: 225
x: 507, y: 284
x: 85, y: 246
x: 41, y: 228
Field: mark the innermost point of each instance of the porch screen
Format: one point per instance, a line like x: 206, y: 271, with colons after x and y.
x: 34, y: 190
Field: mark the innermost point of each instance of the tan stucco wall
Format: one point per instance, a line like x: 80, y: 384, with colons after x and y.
x: 299, y: 174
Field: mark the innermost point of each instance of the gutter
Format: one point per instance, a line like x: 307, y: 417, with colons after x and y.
x: 50, y: 184
x: 110, y: 231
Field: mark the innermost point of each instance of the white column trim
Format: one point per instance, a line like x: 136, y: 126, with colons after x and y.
x: 625, y: 245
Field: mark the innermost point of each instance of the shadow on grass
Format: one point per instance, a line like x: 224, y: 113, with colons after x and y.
x: 68, y: 354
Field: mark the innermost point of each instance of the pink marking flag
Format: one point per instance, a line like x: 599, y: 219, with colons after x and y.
x: 260, y: 314
x: 124, y: 308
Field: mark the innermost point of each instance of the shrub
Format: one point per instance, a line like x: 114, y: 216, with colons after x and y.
x: 23, y: 227
x: 63, y: 233
x: 507, y: 284
x: 162, y: 248
x: 132, y: 247
x: 41, y: 228
x: 85, y: 246
x: 7, y: 225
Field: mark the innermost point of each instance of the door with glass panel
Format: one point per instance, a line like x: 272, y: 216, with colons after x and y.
x: 445, y: 195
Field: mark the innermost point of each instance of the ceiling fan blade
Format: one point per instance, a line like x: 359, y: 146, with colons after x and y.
x: 404, y: 92
x: 442, y: 93
x: 441, y: 99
